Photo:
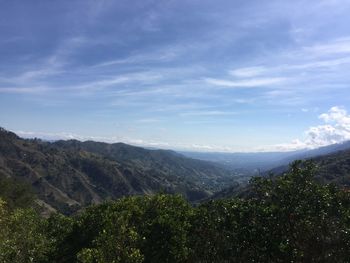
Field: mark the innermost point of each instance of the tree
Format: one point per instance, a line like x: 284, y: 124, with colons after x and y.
x: 136, y: 229
x: 22, y: 236
x: 290, y: 218
x: 15, y: 193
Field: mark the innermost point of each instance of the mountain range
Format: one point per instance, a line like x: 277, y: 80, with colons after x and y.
x: 69, y: 175
x: 253, y: 163
x: 332, y: 165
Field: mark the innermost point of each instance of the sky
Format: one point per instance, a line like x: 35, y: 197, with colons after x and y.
x: 198, y: 75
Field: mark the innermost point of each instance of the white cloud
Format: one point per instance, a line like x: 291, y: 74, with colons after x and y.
x: 148, y: 120
x: 133, y: 141
x: 284, y: 147
x: 144, y: 77
x: 49, y: 135
x: 336, y: 129
x: 316, y: 64
x: 338, y: 115
x: 338, y: 46
x: 250, y: 83
x: 247, y: 72
x: 23, y: 90
x: 165, y: 55
x: 306, y: 110
x: 208, y: 113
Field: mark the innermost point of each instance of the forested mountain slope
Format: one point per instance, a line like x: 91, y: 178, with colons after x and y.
x: 68, y: 175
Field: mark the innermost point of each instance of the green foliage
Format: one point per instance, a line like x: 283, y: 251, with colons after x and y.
x: 15, y: 193
x: 134, y: 229
x: 22, y: 236
x: 287, y: 219
x: 165, y: 229
x: 58, y: 230
x: 116, y: 239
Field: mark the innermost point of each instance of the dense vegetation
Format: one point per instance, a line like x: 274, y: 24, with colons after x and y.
x: 334, y: 168
x: 16, y: 194
x: 290, y: 218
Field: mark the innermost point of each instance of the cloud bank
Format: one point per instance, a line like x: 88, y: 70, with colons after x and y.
x: 335, y: 129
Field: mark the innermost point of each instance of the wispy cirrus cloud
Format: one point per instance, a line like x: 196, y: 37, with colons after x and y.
x: 148, y: 120
x: 338, y: 46
x: 247, y: 83
x: 190, y: 64
x: 208, y: 113
x: 137, y: 77
x: 160, y: 56
x: 23, y: 90
x: 247, y: 72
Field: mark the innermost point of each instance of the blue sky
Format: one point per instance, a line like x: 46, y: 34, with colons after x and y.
x: 195, y: 75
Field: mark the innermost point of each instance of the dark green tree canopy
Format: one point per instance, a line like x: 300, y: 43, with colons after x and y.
x: 290, y: 218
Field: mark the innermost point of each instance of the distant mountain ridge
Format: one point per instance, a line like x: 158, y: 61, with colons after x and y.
x: 68, y: 175
x: 332, y: 166
x: 253, y: 163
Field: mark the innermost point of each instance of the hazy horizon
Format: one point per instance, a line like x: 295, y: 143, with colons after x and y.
x: 232, y: 76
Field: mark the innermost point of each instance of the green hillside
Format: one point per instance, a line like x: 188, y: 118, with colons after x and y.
x: 69, y: 175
